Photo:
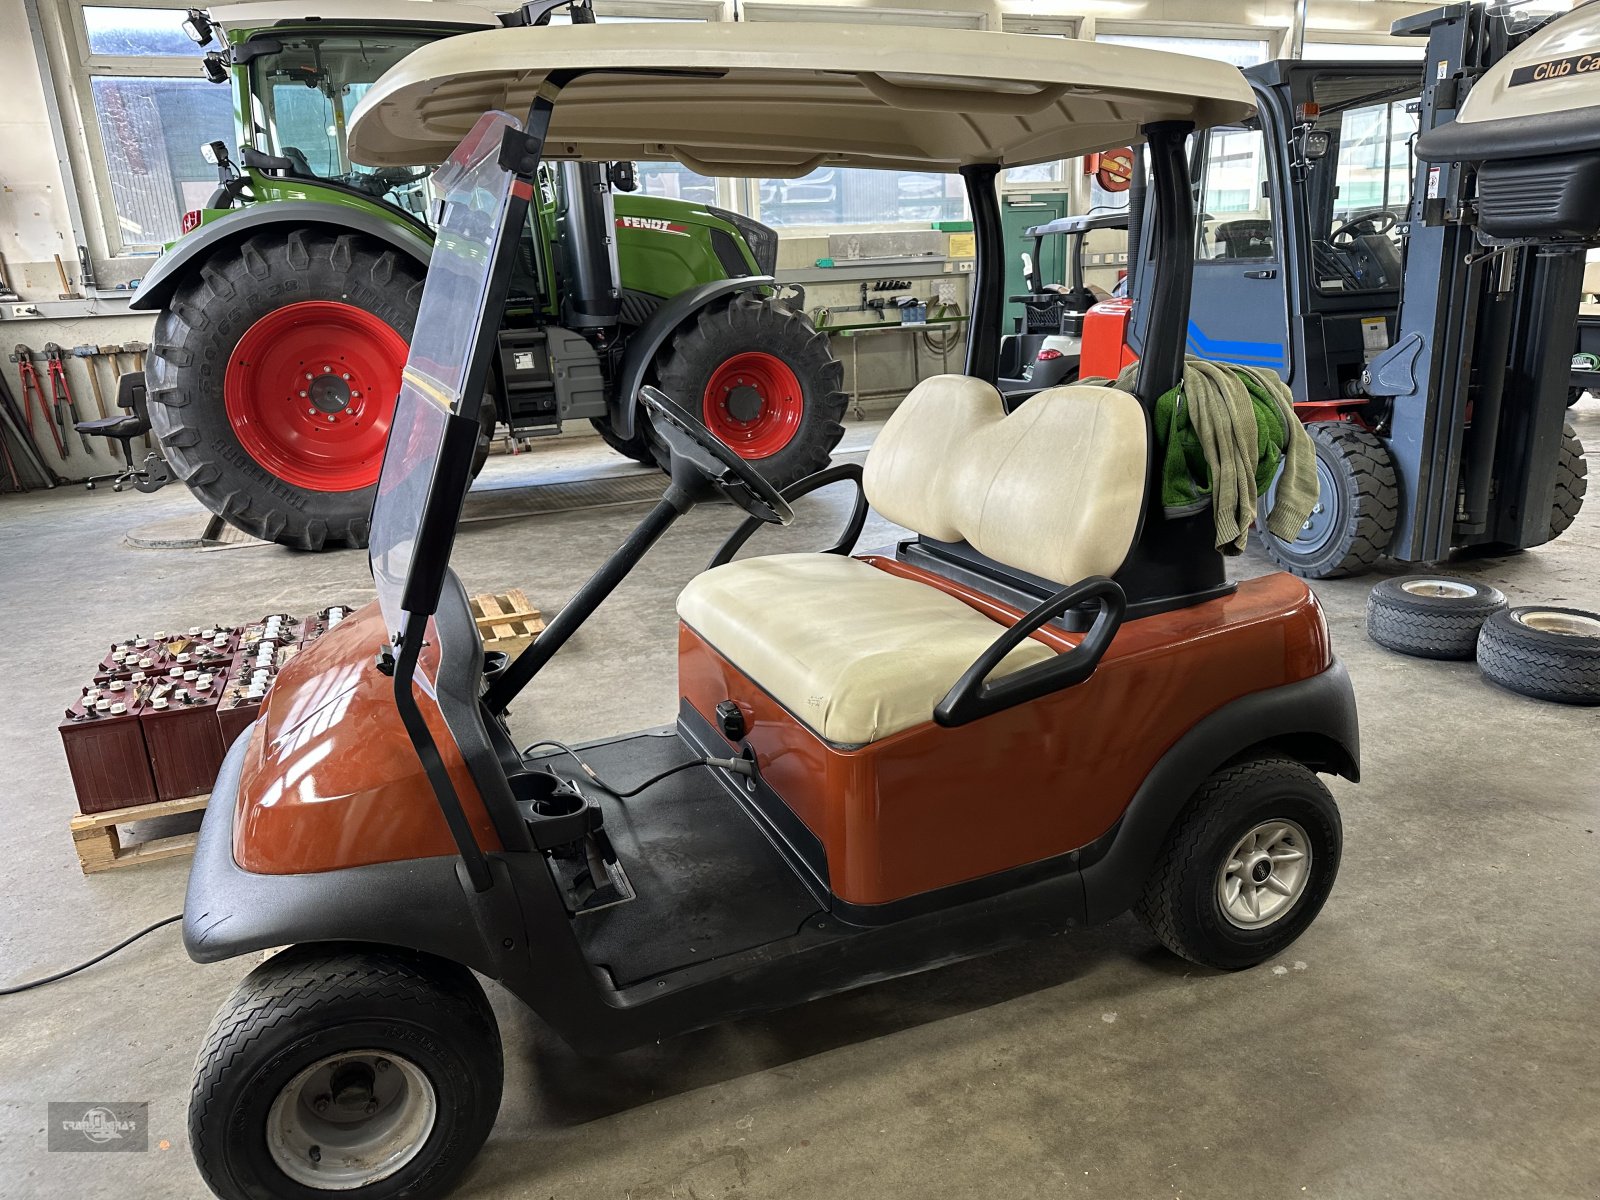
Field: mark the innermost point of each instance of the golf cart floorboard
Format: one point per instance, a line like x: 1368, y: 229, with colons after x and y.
x: 708, y: 882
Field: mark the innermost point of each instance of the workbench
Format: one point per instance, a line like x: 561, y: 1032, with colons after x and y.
x: 855, y: 332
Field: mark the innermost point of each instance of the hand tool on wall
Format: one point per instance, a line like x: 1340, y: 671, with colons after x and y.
x: 67, y: 290
x: 11, y: 422
x: 89, y: 354
x: 66, y: 406
x: 33, y: 393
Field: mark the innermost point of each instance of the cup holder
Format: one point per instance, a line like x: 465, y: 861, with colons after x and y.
x: 546, y: 794
x: 495, y: 663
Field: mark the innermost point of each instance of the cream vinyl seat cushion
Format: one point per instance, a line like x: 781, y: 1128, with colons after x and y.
x: 853, y: 652
x: 1054, y: 488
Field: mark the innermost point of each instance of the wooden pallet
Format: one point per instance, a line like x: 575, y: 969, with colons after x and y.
x: 100, y: 849
x: 506, y: 622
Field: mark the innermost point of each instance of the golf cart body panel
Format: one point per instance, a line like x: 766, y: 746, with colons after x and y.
x: 742, y: 98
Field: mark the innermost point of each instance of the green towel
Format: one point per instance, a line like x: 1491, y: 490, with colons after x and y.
x: 1225, y: 434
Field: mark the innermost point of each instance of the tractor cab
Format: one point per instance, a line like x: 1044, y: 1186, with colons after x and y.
x: 1045, y: 344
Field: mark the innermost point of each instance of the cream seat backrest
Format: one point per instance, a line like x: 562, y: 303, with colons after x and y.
x: 1054, y: 488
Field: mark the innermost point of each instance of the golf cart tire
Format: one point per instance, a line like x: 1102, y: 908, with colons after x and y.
x: 1431, y: 616
x: 746, y: 322
x: 1368, y: 501
x: 1546, y: 665
x: 312, y: 1001
x: 195, y: 337
x: 1180, y: 903
x: 1572, y: 483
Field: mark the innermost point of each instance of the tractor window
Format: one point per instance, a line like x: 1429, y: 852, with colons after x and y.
x: 1358, y: 192
x: 1235, y: 211
x: 304, y: 96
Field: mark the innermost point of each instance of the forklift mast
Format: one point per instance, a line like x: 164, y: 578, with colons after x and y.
x: 1476, y: 378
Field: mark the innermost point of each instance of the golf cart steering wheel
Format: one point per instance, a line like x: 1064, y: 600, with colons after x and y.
x: 1367, y: 224
x: 688, y: 439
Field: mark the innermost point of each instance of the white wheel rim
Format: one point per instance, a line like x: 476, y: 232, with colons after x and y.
x: 1566, y: 624
x: 351, y: 1119
x: 1442, y: 588
x: 1264, y: 874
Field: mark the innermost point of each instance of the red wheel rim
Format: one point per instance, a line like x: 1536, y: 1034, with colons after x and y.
x: 310, y: 390
x: 754, y: 403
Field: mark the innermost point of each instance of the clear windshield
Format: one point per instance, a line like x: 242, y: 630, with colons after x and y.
x: 474, y: 190
x: 303, y: 95
x: 1363, y: 199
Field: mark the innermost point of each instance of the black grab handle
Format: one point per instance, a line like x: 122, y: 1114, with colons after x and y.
x: 836, y: 473
x: 972, y: 697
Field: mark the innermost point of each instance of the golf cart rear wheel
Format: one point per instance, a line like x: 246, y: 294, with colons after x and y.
x: 1430, y: 616
x: 351, y: 1071
x: 1350, y: 527
x: 1544, y: 652
x: 1247, y: 866
x: 273, y: 376
x: 762, y: 378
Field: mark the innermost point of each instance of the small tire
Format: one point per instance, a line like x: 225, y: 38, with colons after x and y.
x: 1431, y: 616
x: 1354, y: 519
x: 1544, y: 652
x: 415, y: 1032
x: 1184, y: 902
x: 788, y: 347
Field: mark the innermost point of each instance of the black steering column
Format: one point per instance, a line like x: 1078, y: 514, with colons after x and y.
x: 702, y: 468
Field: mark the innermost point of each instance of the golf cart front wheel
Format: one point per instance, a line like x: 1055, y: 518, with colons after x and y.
x: 346, y: 1071
x: 1247, y: 866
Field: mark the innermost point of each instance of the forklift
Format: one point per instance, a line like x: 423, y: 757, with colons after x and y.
x: 1432, y: 369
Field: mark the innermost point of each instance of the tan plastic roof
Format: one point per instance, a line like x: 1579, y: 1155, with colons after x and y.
x: 783, y: 99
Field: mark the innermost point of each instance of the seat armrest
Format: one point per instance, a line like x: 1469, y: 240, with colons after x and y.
x: 973, y: 697
x: 836, y: 473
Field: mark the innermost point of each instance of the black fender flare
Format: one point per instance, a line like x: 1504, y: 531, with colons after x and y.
x: 159, y: 283
x: 1313, y: 721
x: 653, y: 334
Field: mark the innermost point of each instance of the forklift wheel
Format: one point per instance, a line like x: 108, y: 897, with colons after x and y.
x: 1429, y: 616
x: 1350, y: 527
x: 1247, y: 866
x: 1546, y: 653
x: 366, y: 1072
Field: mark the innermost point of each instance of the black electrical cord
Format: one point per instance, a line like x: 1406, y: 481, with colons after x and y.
x: 740, y: 765
x: 33, y: 983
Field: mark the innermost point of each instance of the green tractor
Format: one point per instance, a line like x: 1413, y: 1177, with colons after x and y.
x: 286, y: 309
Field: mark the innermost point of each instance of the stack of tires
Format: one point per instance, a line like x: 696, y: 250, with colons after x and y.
x: 1543, y: 651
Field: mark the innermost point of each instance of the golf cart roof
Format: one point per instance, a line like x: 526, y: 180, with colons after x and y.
x: 1081, y: 223
x: 264, y: 14
x: 779, y: 99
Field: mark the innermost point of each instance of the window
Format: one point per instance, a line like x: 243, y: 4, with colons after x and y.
x: 674, y: 181
x: 1396, y: 50
x: 845, y: 196
x: 1241, y: 52
x: 152, y: 113
x: 1357, y: 195
x: 1235, y: 213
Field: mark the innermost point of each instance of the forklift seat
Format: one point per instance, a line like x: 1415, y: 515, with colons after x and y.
x: 856, y: 653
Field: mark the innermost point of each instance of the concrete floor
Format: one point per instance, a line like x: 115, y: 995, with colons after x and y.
x: 1433, y: 1034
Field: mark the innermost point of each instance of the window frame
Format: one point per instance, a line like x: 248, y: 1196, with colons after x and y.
x: 88, y: 66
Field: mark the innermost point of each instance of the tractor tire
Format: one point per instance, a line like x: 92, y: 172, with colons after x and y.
x: 364, y: 1072
x: 1572, y: 482
x: 637, y: 447
x: 1350, y: 528
x: 272, y: 378
x: 1431, y: 616
x: 1544, y: 652
x: 763, y: 379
